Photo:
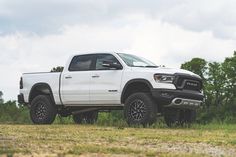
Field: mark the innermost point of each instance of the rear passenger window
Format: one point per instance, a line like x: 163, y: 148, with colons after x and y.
x: 81, y: 63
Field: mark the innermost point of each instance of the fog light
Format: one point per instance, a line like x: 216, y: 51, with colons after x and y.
x: 178, y: 101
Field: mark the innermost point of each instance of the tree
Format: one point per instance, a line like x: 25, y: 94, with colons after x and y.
x: 196, y: 65
x: 1, y: 99
x: 229, y: 67
x: 215, y: 86
x: 219, y: 88
x: 57, y: 69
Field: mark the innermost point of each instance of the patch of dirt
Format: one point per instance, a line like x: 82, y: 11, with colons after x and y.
x: 196, y: 148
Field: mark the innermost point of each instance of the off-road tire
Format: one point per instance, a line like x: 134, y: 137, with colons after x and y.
x: 140, y: 109
x: 42, y: 110
x: 87, y: 117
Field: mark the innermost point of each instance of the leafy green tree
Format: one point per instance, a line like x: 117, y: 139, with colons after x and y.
x: 196, y: 65
x: 1, y: 99
x: 219, y: 88
x: 215, y: 86
x: 229, y: 67
x: 57, y: 69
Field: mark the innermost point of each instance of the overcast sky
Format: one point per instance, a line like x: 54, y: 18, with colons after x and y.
x: 38, y: 35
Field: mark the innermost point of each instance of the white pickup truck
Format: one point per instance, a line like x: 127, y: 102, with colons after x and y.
x: 94, y: 82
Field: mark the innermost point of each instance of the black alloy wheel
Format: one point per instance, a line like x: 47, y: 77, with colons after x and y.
x: 140, y: 109
x: 42, y: 110
x: 137, y: 110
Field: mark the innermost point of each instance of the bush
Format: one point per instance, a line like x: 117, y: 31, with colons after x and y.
x: 221, y: 114
x: 11, y: 113
x: 113, y: 118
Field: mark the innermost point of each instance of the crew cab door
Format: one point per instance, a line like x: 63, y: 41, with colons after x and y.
x: 75, y: 81
x: 105, y: 81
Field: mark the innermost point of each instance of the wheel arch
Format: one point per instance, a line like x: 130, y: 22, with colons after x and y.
x: 131, y: 83
x: 41, y: 89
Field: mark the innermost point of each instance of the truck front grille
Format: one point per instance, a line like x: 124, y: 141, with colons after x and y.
x: 188, y: 82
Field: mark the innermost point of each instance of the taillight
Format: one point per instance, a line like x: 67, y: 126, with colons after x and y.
x: 21, y: 83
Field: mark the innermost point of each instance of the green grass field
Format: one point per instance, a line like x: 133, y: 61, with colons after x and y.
x: 93, y: 140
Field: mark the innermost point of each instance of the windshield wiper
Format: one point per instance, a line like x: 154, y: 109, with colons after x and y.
x: 151, y: 66
x: 147, y: 66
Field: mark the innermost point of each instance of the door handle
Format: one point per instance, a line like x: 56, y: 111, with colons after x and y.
x: 95, y: 76
x: 68, y: 77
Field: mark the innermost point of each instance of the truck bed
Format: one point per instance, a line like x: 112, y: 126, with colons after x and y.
x: 50, y: 78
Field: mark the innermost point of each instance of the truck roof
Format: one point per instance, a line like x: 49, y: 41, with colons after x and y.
x: 85, y: 53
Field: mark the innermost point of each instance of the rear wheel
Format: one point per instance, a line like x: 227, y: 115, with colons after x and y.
x: 87, y: 117
x: 42, y: 110
x: 140, y: 109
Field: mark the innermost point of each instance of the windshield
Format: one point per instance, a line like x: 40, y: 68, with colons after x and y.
x: 134, y: 61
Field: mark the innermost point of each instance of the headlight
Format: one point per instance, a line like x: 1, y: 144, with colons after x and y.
x: 162, y: 78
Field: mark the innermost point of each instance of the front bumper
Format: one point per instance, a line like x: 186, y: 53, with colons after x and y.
x: 186, y: 98
x: 20, y: 99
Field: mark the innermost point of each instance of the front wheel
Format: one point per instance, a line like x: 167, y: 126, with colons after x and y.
x: 42, y: 110
x: 140, y: 108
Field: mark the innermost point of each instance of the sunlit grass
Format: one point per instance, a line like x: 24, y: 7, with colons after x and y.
x: 119, y: 140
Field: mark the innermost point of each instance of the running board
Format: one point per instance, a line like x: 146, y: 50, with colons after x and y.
x: 84, y: 110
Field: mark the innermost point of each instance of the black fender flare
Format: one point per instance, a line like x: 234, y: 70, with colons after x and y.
x: 134, y: 81
x: 41, y: 84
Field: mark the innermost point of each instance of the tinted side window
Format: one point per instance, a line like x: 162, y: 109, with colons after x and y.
x: 105, y: 58
x: 81, y: 63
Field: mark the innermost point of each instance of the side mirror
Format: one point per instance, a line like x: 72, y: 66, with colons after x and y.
x: 111, y: 65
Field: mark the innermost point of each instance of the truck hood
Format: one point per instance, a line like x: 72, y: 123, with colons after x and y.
x: 164, y: 70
